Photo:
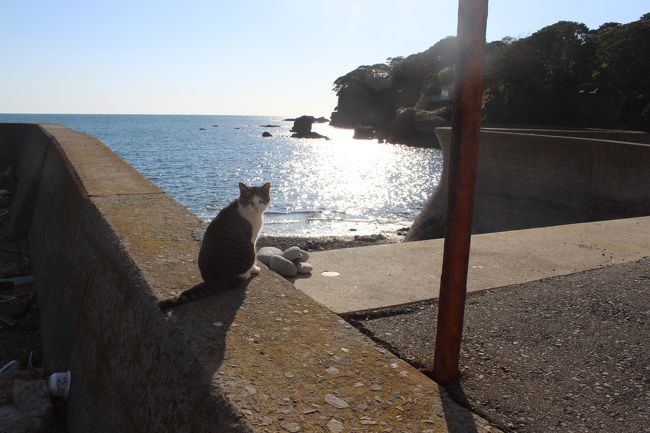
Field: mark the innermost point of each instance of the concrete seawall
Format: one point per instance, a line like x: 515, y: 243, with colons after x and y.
x: 109, y: 248
x: 532, y: 178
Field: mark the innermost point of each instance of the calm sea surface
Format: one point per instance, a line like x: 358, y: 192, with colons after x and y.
x: 337, y: 187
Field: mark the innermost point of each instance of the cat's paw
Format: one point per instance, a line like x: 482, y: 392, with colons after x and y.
x: 245, y: 276
x: 255, y: 270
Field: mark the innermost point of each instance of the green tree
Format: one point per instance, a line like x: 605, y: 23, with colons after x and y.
x: 530, y: 80
x: 623, y: 54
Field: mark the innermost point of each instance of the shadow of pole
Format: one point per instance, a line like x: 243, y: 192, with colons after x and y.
x: 458, y: 417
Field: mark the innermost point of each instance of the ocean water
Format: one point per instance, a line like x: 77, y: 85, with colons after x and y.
x: 337, y: 187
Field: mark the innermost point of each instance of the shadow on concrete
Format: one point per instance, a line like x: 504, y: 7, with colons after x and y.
x: 202, y: 317
x: 199, y: 292
x: 292, y: 280
x: 458, y: 417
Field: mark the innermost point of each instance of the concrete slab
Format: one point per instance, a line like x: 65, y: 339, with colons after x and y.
x: 394, y: 274
x: 158, y: 233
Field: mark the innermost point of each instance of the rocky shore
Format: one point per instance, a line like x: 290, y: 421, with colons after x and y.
x: 322, y: 243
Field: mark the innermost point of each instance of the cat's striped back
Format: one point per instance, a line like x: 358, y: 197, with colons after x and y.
x: 227, y: 251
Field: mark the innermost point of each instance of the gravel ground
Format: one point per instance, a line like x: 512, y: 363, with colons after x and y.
x: 24, y: 339
x: 563, y: 354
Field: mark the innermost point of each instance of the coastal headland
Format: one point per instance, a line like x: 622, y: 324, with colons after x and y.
x: 564, y: 75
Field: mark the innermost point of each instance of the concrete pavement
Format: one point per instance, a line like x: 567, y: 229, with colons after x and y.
x: 561, y: 354
x: 560, y: 344
x: 358, y: 279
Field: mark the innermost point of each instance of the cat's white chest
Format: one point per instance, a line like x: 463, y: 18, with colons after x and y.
x: 256, y: 224
x: 255, y: 217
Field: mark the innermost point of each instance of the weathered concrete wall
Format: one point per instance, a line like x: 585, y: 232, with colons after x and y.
x: 109, y: 248
x: 528, y: 180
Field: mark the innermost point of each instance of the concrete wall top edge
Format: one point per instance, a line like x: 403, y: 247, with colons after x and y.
x: 632, y: 138
x: 101, y: 170
x: 153, y: 229
x: 527, y: 180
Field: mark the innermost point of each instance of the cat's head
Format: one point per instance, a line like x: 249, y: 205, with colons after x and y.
x: 254, y: 199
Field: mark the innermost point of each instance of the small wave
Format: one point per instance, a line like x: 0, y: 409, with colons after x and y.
x: 281, y: 222
x: 299, y: 212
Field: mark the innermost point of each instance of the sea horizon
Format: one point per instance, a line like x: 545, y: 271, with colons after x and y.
x: 158, y: 114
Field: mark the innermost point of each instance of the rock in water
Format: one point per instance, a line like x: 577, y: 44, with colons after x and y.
x: 283, y: 266
x: 302, y: 125
x: 364, y: 133
x: 265, y: 253
x: 310, y: 135
x: 302, y: 128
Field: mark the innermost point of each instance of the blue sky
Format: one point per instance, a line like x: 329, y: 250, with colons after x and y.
x: 237, y: 57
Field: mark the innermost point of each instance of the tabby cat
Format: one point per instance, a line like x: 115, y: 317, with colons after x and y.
x: 227, y: 256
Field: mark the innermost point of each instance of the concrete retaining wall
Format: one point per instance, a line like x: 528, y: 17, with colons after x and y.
x: 526, y: 179
x: 109, y: 248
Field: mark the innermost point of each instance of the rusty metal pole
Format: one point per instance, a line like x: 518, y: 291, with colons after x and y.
x: 472, y: 20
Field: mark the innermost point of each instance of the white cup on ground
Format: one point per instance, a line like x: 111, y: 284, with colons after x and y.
x: 59, y: 384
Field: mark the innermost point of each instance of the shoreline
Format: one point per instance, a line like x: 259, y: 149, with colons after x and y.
x: 323, y: 243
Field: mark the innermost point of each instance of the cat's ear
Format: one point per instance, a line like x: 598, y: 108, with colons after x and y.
x: 243, y: 188
x: 266, y: 187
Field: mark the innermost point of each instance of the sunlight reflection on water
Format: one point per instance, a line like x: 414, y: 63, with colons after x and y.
x: 330, y: 187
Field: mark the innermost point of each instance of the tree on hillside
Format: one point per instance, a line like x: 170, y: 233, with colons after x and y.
x: 623, y: 55
x: 372, y: 95
x: 562, y: 75
x: 363, y: 96
x: 531, y: 80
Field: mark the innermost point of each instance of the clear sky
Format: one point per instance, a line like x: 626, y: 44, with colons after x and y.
x: 275, y: 57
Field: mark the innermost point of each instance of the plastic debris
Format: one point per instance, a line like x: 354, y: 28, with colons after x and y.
x: 10, y: 367
x: 6, y: 320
